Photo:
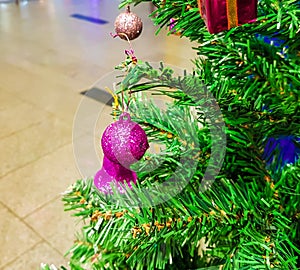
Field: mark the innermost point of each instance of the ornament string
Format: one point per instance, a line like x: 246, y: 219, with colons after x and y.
x: 122, y: 93
x: 125, y: 109
x: 129, y: 52
x: 131, y: 55
x: 116, y: 100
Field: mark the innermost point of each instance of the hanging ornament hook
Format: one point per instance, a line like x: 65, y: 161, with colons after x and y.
x: 129, y: 52
x: 128, y: 8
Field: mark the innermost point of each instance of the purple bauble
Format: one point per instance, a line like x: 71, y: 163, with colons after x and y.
x: 123, y: 142
x: 113, y: 173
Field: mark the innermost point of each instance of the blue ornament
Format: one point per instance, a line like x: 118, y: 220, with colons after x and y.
x: 282, y: 150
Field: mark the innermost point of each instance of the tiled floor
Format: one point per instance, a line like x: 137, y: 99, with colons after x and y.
x: 46, y: 59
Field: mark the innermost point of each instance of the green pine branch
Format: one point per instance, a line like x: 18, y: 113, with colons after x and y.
x: 249, y: 217
x: 243, y: 196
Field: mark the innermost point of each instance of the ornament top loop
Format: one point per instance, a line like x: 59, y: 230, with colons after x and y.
x: 125, y: 116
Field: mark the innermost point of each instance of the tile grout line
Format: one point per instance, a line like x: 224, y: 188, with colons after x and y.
x: 40, y: 207
x: 20, y: 255
x: 22, y: 129
x: 51, y: 113
x: 32, y: 229
x: 29, y: 227
x: 68, y: 77
x: 44, y: 239
x: 35, y: 160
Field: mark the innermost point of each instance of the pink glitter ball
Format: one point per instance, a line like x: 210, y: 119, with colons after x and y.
x: 129, y: 24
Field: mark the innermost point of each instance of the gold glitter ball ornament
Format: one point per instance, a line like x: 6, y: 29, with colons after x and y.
x: 128, y: 24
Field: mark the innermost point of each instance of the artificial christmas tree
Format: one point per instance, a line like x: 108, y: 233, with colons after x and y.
x: 203, y: 205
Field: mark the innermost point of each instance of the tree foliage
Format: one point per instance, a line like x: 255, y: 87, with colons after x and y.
x: 249, y: 217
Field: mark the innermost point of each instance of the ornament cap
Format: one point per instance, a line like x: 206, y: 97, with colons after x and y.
x: 125, y: 117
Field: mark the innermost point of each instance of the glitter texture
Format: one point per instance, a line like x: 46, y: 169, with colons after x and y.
x: 128, y: 23
x: 123, y: 142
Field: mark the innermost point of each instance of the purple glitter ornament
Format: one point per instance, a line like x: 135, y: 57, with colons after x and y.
x: 123, y: 142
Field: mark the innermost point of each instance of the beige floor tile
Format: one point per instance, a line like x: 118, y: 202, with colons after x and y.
x: 32, y: 259
x: 20, y: 116
x: 71, y: 71
x: 15, y: 237
x: 45, y: 93
x: 55, y: 225
x: 32, y: 143
x: 7, y: 100
x: 34, y: 185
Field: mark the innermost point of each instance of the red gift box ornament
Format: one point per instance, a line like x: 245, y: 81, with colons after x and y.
x: 221, y: 15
